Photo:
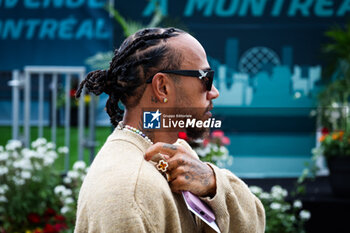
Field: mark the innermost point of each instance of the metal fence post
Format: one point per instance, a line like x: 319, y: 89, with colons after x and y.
x: 41, y: 106
x: 15, y: 83
x: 54, y: 107
x: 67, y: 119
x: 81, y: 122
x: 27, y: 97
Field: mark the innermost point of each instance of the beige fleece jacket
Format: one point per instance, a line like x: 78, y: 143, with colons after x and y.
x: 124, y: 193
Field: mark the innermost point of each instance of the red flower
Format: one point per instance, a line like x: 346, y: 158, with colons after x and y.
x: 217, y: 134
x: 50, y: 212
x: 183, y: 135
x: 33, y: 218
x: 72, y: 92
x: 205, y: 142
x: 60, y: 218
x: 225, y: 140
x: 325, y: 131
x: 60, y: 226
x: 50, y: 229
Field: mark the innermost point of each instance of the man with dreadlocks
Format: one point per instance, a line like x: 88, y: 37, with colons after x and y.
x: 123, y: 191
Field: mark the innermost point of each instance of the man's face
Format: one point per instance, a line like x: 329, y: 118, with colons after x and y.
x: 191, y: 94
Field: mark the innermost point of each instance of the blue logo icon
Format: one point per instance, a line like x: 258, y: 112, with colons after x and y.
x: 151, y: 120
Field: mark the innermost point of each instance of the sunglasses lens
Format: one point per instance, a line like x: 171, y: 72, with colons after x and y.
x: 209, y: 80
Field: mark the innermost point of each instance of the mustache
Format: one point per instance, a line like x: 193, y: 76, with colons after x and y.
x: 210, y: 107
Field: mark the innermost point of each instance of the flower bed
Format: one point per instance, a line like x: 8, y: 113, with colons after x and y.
x: 30, y: 197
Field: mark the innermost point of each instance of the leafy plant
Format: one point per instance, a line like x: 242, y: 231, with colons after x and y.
x: 334, y: 99
x: 27, y: 182
x: 281, y: 216
x: 212, y: 149
x: 68, y: 192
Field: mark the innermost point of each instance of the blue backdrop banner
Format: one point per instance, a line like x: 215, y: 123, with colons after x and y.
x: 52, y: 32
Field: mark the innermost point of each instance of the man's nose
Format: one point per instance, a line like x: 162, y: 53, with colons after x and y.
x: 213, y: 93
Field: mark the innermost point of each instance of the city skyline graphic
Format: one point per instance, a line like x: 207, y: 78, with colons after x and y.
x: 262, y: 77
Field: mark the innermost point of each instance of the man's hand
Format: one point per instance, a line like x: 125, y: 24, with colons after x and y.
x: 185, y: 172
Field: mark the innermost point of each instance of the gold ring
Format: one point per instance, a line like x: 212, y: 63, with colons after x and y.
x: 162, y: 165
x: 167, y: 177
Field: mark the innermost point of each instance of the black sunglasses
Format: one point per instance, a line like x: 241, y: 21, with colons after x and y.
x: 206, y: 76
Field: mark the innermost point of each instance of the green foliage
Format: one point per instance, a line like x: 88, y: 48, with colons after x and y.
x: 334, y: 99
x: 281, y: 216
x: 27, y: 182
x: 33, y: 197
x: 130, y: 26
x: 334, y: 107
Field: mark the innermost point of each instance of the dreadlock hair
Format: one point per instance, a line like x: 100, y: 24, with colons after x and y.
x: 140, y: 55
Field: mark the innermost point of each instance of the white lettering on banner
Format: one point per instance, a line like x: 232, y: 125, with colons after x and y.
x: 254, y: 8
x: 53, y: 29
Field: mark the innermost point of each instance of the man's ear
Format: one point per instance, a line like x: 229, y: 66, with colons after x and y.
x: 161, y: 86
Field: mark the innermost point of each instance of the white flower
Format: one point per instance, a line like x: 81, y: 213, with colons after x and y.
x: 255, y: 189
x: 335, y: 105
x: 4, y: 156
x: 3, y: 199
x: 223, y: 150
x: 39, y: 142
x: 3, y: 171
x: 41, y: 150
x: 48, y: 161
x: 62, y: 190
x: 1, y: 149
x: 59, y: 189
x: 278, y: 192
x: 215, y: 147
x: 265, y: 195
x: 275, y: 206
x: 66, y: 192
x: 285, y: 207
x: 65, y: 209
x: 52, y: 154
x: 79, y: 165
x: 50, y: 146
x: 24, y: 164
x: 63, y: 150
x: 18, y: 181
x: 202, y: 152
x: 297, y: 204
x: 292, y: 218
x: 304, y: 214
x: 67, y: 180
x: 73, y: 174
x: 13, y: 145
x: 68, y: 201
x: 3, y: 189
x: 25, y: 174
x: 334, y: 115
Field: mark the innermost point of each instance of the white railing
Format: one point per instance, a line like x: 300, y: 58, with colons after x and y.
x: 22, y: 82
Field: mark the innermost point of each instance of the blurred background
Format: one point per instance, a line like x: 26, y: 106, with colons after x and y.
x: 282, y: 68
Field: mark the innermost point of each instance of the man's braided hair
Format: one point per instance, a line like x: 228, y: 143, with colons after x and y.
x: 140, y: 55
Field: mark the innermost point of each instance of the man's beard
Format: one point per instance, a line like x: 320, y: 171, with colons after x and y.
x: 197, y: 133
x: 196, y: 113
